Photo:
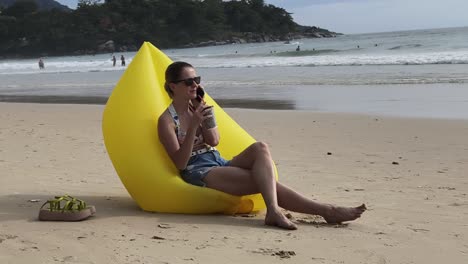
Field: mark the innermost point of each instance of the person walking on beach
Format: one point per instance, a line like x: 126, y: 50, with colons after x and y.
x: 41, y: 64
x: 190, y: 143
x: 114, y: 60
x: 122, y: 59
x: 298, y: 48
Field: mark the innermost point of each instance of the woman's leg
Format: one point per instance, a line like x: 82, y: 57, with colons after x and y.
x: 239, y: 180
x: 296, y: 202
x: 254, y: 173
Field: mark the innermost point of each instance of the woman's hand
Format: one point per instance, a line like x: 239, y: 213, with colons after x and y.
x: 200, y: 94
x: 200, y: 113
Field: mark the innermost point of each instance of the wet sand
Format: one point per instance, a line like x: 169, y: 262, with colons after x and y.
x: 101, y: 100
x: 434, y: 91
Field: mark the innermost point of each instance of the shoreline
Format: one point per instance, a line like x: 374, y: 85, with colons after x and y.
x: 235, y: 40
x: 242, y: 104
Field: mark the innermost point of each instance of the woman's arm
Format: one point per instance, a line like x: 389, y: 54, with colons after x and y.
x: 211, y: 135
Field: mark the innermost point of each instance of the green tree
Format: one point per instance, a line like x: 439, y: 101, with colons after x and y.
x: 25, y: 30
x: 83, y: 3
x: 21, y: 8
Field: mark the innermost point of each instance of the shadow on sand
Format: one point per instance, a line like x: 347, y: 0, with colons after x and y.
x: 23, y: 207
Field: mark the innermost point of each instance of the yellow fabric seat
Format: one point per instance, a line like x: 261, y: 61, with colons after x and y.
x: 131, y: 137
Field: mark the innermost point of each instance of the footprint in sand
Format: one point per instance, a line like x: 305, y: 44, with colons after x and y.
x: 283, y: 254
x: 4, y: 237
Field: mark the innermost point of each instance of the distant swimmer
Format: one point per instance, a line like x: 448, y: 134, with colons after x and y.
x: 114, y: 60
x: 41, y: 64
x: 298, y: 48
x: 122, y: 58
x: 358, y: 46
x: 375, y: 45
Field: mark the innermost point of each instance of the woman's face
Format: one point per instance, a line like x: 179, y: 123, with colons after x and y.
x: 186, y: 86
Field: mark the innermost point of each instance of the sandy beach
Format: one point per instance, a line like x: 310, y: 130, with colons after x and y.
x: 411, y: 173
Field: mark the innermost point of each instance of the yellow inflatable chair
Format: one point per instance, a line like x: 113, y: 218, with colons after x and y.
x: 131, y: 137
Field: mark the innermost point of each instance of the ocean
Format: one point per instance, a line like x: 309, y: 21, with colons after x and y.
x: 420, y: 73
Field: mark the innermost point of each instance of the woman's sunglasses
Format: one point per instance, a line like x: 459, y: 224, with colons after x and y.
x: 189, y: 81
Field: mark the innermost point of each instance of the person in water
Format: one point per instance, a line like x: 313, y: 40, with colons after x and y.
x: 41, y: 64
x: 190, y: 144
x: 122, y: 59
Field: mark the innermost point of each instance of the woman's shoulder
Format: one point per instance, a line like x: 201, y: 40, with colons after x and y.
x: 165, y: 122
x: 165, y: 118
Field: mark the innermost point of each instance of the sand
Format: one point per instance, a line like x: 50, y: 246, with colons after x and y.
x: 411, y: 173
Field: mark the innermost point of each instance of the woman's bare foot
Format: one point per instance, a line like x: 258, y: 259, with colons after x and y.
x: 337, y: 215
x: 279, y: 220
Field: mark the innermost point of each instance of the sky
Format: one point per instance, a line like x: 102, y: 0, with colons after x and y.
x: 366, y: 16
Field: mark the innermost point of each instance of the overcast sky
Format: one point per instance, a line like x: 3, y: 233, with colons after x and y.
x: 363, y: 16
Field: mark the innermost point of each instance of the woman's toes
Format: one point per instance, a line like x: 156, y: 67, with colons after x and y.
x: 280, y: 221
x: 344, y: 214
x: 362, y: 207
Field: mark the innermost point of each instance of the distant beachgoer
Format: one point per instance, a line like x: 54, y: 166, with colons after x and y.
x: 313, y: 49
x: 358, y: 46
x: 41, y: 64
x: 375, y: 45
x: 298, y: 48
x: 122, y: 58
x: 114, y: 60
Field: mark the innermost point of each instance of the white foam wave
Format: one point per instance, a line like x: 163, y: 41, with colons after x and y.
x: 60, y: 65
x: 71, y: 64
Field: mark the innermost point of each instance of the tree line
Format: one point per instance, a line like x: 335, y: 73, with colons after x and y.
x: 27, y: 31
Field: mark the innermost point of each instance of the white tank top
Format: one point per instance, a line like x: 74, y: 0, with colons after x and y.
x: 199, y: 141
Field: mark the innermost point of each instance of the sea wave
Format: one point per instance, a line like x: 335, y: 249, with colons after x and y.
x: 304, y: 53
x: 306, y: 58
x: 459, y: 57
x: 347, y: 81
x: 405, y: 46
x: 59, y: 65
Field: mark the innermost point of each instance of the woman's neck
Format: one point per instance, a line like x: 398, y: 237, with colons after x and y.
x: 181, y: 106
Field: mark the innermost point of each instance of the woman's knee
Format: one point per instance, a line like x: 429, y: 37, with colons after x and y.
x: 261, y: 148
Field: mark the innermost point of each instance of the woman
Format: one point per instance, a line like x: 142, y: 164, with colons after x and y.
x: 189, y: 140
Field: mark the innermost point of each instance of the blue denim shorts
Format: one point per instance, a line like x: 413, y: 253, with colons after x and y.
x: 199, y: 165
